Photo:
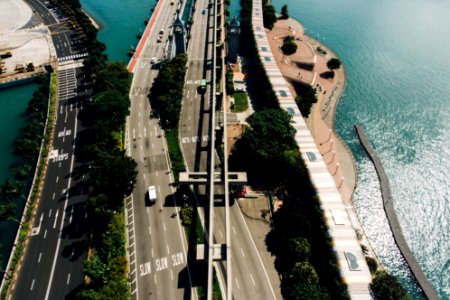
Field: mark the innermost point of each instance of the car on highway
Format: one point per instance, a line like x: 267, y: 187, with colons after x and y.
x: 203, y: 11
x: 151, y: 193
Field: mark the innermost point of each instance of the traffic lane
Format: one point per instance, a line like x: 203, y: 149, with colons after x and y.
x: 33, y: 282
x: 42, y: 11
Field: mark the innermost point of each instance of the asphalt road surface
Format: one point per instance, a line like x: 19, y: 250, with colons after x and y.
x: 52, y: 264
x: 249, y: 277
x: 157, y: 247
x: 52, y: 267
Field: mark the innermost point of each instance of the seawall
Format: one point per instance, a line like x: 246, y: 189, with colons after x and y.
x: 392, y: 217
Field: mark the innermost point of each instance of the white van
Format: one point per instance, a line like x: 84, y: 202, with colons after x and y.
x: 152, y: 193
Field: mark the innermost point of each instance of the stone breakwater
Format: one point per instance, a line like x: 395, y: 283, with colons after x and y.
x: 392, y: 218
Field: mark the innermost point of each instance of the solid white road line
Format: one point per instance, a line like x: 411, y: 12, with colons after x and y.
x: 32, y: 285
x: 56, y: 218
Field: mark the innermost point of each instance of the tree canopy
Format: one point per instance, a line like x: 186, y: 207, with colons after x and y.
x: 284, y: 12
x: 334, y: 64
x: 386, y: 287
x: 289, y: 46
x: 269, y: 16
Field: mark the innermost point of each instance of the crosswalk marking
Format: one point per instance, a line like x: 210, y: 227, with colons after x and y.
x: 194, y: 139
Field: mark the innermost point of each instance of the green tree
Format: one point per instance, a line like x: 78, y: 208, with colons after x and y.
x: 305, y: 291
x: 386, y: 287
x: 299, y: 249
x: 109, y: 110
x: 334, y: 64
x: 304, y: 272
x: 289, y: 46
x: 8, y: 212
x: 114, y: 175
x: 269, y: 16
x: 284, y: 12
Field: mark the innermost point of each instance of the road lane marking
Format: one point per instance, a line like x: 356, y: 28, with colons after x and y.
x: 45, y: 233
x: 251, y: 276
x: 39, y: 258
x: 154, y: 278
x: 242, y: 251
x: 58, y: 244
x: 171, y: 274
x: 164, y: 226
x: 145, y: 131
x: 237, y: 283
x: 234, y: 230
x: 168, y: 251
x: 32, y: 285
x: 50, y: 212
x: 57, y: 178
x: 220, y: 233
x: 56, y: 218
x: 152, y: 252
x: 68, y: 279
x: 149, y: 230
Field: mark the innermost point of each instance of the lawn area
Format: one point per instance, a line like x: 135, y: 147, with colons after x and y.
x: 240, y: 102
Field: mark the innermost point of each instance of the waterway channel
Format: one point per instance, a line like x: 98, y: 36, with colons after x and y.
x: 13, y: 103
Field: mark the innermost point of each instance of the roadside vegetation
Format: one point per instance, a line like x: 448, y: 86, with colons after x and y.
x: 305, y: 99
x: 240, y: 102
x: 112, y: 175
x: 165, y: 97
x: 268, y: 152
x: 32, y: 149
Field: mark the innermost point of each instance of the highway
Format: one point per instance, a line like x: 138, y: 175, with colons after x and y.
x: 157, y: 245
x: 249, y: 277
x: 52, y: 266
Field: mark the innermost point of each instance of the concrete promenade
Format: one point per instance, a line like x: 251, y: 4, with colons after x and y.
x: 353, y: 267
x: 393, y: 220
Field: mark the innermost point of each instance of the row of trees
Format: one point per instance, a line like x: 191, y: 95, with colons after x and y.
x: 97, y: 58
x: 26, y: 147
x: 268, y: 152
x: 166, y: 93
x: 112, y: 175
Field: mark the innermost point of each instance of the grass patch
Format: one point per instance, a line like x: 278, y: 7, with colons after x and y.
x: 175, y: 155
x: 240, y: 102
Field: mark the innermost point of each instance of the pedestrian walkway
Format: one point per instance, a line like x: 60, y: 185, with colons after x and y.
x: 353, y: 267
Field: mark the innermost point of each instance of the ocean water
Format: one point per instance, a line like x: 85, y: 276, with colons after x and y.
x: 397, y: 57
x: 121, y: 22
x: 13, y: 103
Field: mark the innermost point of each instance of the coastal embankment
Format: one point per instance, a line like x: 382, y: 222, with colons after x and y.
x: 392, y: 217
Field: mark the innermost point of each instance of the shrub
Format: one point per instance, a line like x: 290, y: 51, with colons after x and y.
x: 289, y: 47
x: 386, y: 287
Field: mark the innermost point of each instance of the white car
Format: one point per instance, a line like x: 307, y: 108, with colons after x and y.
x: 153, y: 60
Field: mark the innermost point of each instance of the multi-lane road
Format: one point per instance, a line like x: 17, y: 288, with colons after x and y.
x: 52, y: 265
x: 249, y: 276
x: 157, y: 245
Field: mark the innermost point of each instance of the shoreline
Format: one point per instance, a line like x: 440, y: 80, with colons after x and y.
x: 93, y: 21
x: 320, y: 122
